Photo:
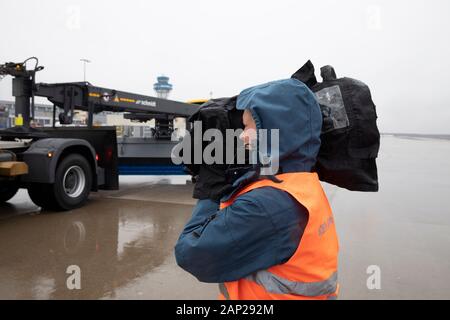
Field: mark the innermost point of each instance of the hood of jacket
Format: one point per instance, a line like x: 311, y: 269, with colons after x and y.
x: 291, y: 107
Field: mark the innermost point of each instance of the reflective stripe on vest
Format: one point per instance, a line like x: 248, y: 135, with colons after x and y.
x: 274, y: 284
x: 224, y: 291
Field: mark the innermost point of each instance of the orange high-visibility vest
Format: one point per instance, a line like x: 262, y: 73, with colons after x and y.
x: 311, y: 272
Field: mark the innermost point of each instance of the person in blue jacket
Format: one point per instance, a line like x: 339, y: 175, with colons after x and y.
x: 263, y: 227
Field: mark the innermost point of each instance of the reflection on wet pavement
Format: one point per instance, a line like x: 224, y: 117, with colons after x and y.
x: 117, y: 244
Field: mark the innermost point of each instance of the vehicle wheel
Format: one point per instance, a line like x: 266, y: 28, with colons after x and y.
x: 8, y: 190
x: 73, y: 181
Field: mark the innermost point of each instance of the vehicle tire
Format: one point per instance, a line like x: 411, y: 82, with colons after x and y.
x: 73, y: 181
x: 8, y: 190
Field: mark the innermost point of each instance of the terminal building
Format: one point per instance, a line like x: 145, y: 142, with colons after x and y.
x: 43, y: 114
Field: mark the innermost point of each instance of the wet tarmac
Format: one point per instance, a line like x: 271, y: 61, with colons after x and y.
x: 123, y: 240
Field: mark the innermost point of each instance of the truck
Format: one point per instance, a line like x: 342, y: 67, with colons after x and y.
x: 61, y: 165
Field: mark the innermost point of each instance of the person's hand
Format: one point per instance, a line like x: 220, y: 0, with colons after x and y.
x: 211, y: 182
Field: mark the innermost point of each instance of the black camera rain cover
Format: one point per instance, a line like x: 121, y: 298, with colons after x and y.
x: 214, y: 180
x: 350, y: 138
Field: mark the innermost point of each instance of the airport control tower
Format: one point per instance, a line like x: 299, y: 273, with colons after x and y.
x: 162, y: 87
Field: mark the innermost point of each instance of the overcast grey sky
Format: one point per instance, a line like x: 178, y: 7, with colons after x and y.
x: 400, y: 48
